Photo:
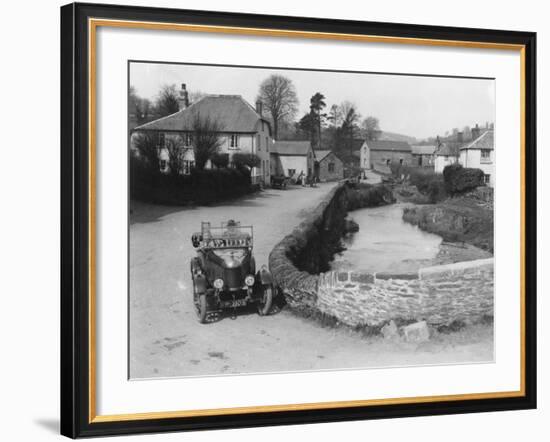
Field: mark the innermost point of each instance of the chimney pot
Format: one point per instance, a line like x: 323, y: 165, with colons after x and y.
x: 183, y: 100
x: 259, y: 107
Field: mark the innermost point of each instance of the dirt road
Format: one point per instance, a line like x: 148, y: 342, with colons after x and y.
x: 166, y: 339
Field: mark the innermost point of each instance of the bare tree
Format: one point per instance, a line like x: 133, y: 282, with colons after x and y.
x: 371, y: 127
x: 278, y: 95
x: 167, y: 100
x: 146, y: 144
x: 206, y: 139
x: 335, y: 115
x: 174, y: 146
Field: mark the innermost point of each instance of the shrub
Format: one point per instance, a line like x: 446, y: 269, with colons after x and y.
x: 201, y: 186
x: 460, y: 179
x: 146, y: 144
x: 246, y: 159
x: 368, y: 195
x: 399, y: 170
x: 428, y: 183
x: 220, y: 160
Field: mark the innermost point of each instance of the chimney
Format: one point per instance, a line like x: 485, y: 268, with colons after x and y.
x: 476, y: 132
x: 460, y: 137
x: 259, y: 107
x: 183, y: 99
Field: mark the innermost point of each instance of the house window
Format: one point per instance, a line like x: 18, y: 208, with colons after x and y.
x: 266, y: 144
x: 400, y: 160
x: 187, y: 166
x: 291, y: 172
x: 163, y: 165
x: 331, y: 167
x: 187, y: 139
x: 486, y: 178
x: 258, y: 139
x: 234, y: 141
x: 485, y: 155
x: 162, y: 139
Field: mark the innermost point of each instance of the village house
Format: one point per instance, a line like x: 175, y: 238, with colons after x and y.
x: 243, y: 130
x: 455, y: 149
x: 423, y: 155
x: 328, y: 167
x: 445, y: 155
x: 479, y: 154
x: 381, y: 154
x: 292, y: 159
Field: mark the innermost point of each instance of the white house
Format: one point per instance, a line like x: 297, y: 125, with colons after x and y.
x: 364, y: 157
x: 444, y: 156
x: 244, y: 130
x: 292, y: 159
x: 480, y: 154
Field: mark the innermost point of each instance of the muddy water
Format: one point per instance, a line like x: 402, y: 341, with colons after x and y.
x: 385, y: 243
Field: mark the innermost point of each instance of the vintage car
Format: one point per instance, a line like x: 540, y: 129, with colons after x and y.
x: 224, y: 271
x: 279, y: 181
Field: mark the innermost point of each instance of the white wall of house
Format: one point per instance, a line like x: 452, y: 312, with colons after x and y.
x: 259, y: 143
x: 473, y: 158
x: 365, y: 157
x: 442, y: 161
x: 262, y: 145
x: 296, y: 163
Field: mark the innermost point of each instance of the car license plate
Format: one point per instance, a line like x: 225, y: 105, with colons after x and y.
x: 235, y: 303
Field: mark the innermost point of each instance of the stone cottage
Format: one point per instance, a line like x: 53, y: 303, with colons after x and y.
x: 381, y: 154
x: 328, y: 167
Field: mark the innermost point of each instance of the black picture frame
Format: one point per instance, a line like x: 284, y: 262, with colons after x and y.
x: 75, y: 219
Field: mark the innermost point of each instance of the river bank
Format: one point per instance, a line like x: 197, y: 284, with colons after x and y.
x: 456, y: 220
x: 384, y: 242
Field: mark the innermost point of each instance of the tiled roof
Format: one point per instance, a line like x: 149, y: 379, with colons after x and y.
x: 423, y: 150
x: 232, y: 112
x: 447, y: 150
x: 485, y: 141
x: 321, y: 154
x: 389, y: 145
x: 291, y: 147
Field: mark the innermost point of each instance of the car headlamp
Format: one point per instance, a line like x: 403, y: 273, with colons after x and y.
x: 249, y: 280
x: 218, y: 283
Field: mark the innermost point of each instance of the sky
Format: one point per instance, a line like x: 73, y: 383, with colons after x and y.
x: 417, y: 106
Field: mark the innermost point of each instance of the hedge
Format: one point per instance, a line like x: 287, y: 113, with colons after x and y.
x: 460, y: 179
x: 200, y: 186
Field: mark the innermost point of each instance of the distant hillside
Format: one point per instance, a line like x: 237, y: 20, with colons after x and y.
x: 391, y: 136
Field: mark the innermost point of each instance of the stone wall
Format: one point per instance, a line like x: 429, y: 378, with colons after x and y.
x: 439, y: 295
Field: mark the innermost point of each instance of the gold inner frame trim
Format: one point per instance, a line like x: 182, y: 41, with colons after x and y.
x: 93, y: 24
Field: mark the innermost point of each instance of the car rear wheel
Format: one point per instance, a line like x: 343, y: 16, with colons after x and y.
x: 264, y: 305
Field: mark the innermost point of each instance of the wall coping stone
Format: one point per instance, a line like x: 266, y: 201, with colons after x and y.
x: 457, y: 267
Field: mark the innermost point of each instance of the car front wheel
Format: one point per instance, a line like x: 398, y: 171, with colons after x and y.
x: 264, y: 305
x: 200, y: 307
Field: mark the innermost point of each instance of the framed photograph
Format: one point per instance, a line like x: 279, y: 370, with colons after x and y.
x: 274, y: 220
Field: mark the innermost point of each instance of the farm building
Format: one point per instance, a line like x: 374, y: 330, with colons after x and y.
x: 381, y: 154
x: 423, y: 156
x: 328, y: 167
x: 292, y: 159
